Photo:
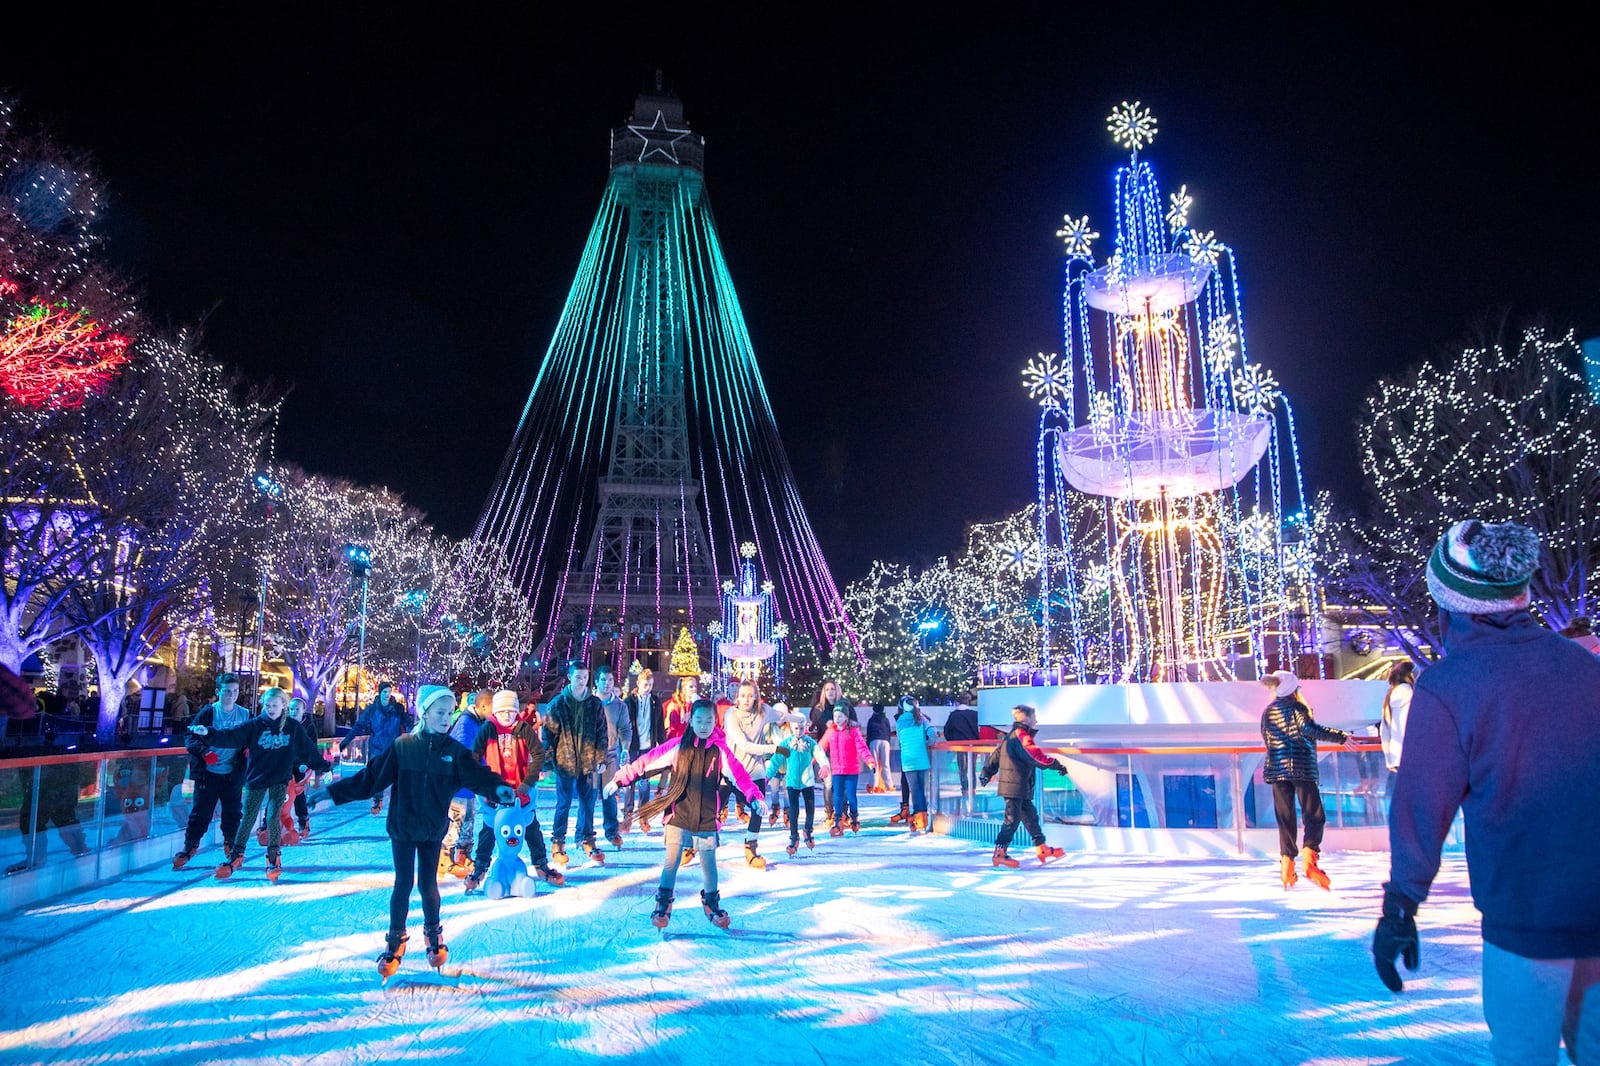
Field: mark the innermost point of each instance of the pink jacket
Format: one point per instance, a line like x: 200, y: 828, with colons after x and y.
x: 847, y: 750
x: 663, y: 756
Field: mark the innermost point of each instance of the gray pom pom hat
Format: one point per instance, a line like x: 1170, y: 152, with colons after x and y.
x: 1480, y: 567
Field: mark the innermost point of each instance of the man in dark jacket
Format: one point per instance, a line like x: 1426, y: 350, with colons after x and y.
x: 962, y: 725
x: 217, y: 772
x: 649, y: 731
x: 385, y: 721
x: 575, y: 741
x: 1504, y: 728
x: 1016, y: 760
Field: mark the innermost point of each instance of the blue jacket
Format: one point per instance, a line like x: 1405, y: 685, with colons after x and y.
x: 1506, y: 727
x: 465, y: 729
x: 915, y: 739
x: 796, y: 766
x: 384, y: 724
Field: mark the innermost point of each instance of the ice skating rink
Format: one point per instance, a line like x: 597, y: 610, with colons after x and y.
x: 877, y: 949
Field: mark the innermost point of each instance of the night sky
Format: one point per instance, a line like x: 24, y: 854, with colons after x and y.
x: 384, y: 214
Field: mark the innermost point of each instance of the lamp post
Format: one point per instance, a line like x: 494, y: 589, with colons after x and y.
x: 359, y: 556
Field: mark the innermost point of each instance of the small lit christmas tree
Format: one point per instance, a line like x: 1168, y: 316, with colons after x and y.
x: 685, y: 656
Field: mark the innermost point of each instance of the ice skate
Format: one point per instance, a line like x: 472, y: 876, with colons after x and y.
x: 1286, y: 871
x: 1314, y: 873
x: 837, y: 830
x: 644, y: 825
x: 1046, y: 853
x: 712, y: 903
x: 687, y: 857
x: 460, y: 863
x: 274, y: 865
x: 663, y: 911
x: 811, y: 842
x: 855, y: 826
x: 180, y: 860
x: 261, y: 837
x: 229, y: 866
x: 596, y: 856
x: 627, y: 821
x: 901, y: 816
x: 305, y: 829
x: 919, y: 822
x: 792, y: 848
x: 438, y: 950
x: 615, y: 842
x: 394, y: 950
x: 1002, y: 859
x: 377, y: 805
x: 751, y: 858
x: 549, y: 876
x: 474, y: 882
x: 558, y: 853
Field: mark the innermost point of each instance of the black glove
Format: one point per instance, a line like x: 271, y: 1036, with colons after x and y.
x: 984, y: 779
x: 505, y: 795
x: 1396, y: 937
x: 783, y: 750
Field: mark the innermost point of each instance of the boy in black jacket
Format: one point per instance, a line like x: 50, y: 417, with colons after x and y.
x: 278, y: 747
x: 425, y: 769
x: 1015, y: 760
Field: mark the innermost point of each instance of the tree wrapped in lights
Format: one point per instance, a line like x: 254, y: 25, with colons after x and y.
x: 685, y: 660
x: 1501, y: 431
x: 53, y: 353
x: 164, y: 457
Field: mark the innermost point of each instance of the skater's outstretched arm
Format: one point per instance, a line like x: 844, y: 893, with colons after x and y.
x: 370, y: 780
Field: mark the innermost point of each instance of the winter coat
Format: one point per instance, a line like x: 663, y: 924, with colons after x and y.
x: 1291, y: 736
x: 916, y: 742
x: 644, y: 739
x: 795, y: 758
x: 847, y: 749
x: 575, y: 734
x: 277, y: 748
x: 750, y: 737
x: 465, y: 729
x: 1504, y: 727
x: 962, y: 724
x: 675, y: 714
x: 216, y: 759
x: 1392, y: 729
x: 878, y: 727
x: 619, y: 731
x: 698, y: 769
x: 515, y: 752
x: 1016, y: 760
x: 384, y: 724
x: 425, y: 770
x: 821, y: 719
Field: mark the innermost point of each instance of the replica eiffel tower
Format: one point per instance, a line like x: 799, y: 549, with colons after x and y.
x: 647, y: 452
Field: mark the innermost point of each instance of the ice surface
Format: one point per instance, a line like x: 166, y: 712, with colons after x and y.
x: 878, y: 949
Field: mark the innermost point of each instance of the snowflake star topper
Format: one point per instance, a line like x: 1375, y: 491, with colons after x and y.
x: 1047, y: 380
x: 1077, y: 235
x: 1131, y: 126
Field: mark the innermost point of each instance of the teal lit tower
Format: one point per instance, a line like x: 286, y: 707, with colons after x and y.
x: 647, y: 452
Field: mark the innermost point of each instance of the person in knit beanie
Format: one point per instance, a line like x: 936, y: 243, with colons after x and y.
x: 1504, y: 728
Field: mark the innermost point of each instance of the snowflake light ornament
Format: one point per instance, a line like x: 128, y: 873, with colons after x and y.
x: 1257, y: 532
x: 1101, y: 410
x: 1096, y: 580
x: 1047, y: 380
x: 1077, y: 235
x: 767, y: 587
x: 1131, y: 126
x: 748, y: 549
x: 1203, y: 247
x: 727, y: 586
x: 1178, y: 213
x: 1222, y: 343
x: 1255, y: 389
x: 715, y: 629
x: 1298, y: 561
x: 1019, y: 558
x: 780, y: 631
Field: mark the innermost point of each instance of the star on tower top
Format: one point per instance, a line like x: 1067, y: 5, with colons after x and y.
x: 658, y: 138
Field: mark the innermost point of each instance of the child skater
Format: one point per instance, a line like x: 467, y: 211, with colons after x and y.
x: 847, y: 752
x: 916, y: 743
x: 1291, y: 736
x: 424, y: 768
x: 1016, y: 760
x: 699, y: 759
x: 795, y: 759
x: 279, y: 747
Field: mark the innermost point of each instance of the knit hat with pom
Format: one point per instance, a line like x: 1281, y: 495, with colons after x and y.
x: 1281, y: 682
x: 1481, y: 568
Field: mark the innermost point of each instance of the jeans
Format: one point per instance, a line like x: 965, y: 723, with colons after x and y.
x: 1283, y: 797
x: 1531, y: 1005
x: 273, y: 796
x: 609, y: 827
x: 1019, y: 811
x: 705, y: 846
x: 566, y: 786
x: 795, y: 796
x: 880, y: 755
x: 917, y: 781
x: 844, y: 798
x: 637, y: 795
x: 210, y: 790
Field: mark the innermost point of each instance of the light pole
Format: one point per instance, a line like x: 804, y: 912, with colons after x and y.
x: 359, y: 556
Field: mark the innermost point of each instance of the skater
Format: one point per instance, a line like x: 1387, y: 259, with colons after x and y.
x: 1016, y: 760
x: 424, y: 769
x: 676, y: 709
x: 880, y: 737
x: 1396, y: 705
x: 962, y: 726
x: 700, y: 759
x: 59, y: 788
x: 649, y: 731
x: 619, y: 735
x: 1504, y: 729
x: 278, y: 746
x: 916, y: 744
x: 217, y: 772
x: 302, y: 813
x: 794, y: 763
x: 821, y: 718
x: 384, y: 720
x: 847, y: 752
x: 1291, y: 735
x: 460, y: 840
x: 748, y: 725
x: 508, y: 744
x: 575, y: 740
